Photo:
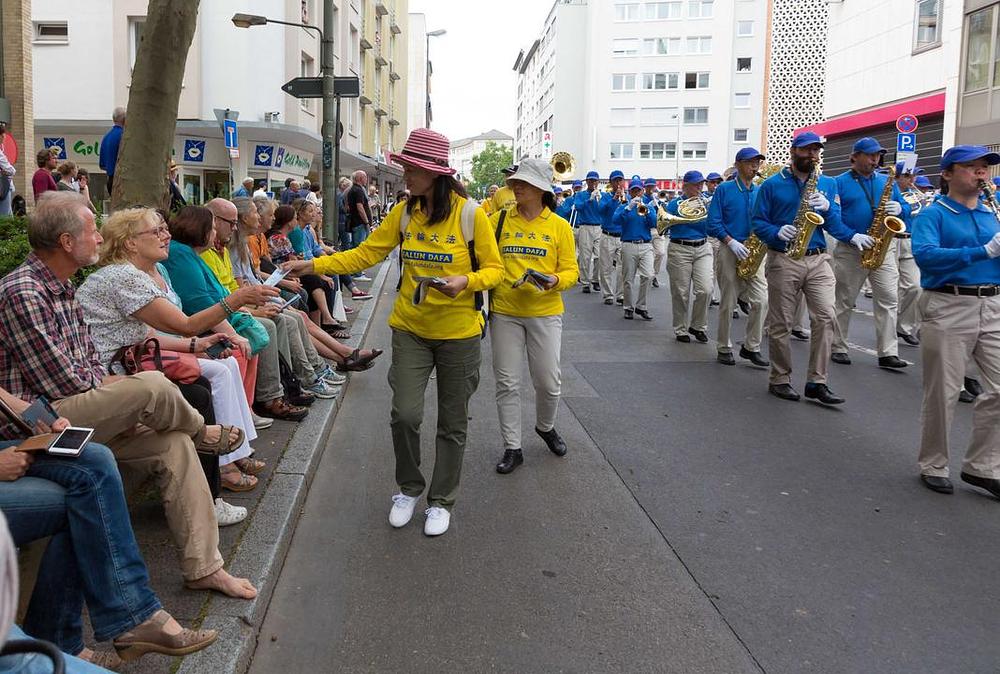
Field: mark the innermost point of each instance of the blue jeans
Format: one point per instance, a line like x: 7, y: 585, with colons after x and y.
x: 93, y: 554
x: 358, y: 235
x: 39, y: 664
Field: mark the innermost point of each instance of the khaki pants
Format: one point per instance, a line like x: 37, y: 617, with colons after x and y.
x: 456, y: 362
x: 716, y: 283
x: 954, y: 329
x: 161, y: 446
x: 801, y: 315
x: 659, y: 251
x: 909, y: 288
x: 541, y: 337
x: 611, y: 267
x: 637, y: 259
x: 689, y: 267
x: 884, y: 281
x: 733, y: 287
x: 588, y: 250
x: 787, y: 279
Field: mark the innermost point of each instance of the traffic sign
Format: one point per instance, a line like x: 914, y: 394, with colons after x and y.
x: 907, y: 123
x: 906, y: 142
x: 312, y: 87
x: 231, y: 134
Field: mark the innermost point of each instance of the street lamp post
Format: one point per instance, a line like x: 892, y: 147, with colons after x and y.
x: 331, y: 104
x: 427, y: 85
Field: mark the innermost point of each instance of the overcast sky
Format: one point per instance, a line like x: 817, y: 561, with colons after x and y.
x: 473, y: 88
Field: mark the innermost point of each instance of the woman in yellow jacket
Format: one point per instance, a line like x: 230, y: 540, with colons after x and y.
x: 436, y: 322
x: 539, y: 263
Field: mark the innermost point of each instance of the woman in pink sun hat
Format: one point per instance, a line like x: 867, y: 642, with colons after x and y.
x: 448, y: 259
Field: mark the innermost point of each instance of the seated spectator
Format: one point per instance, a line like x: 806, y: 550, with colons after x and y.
x: 92, y: 559
x: 67, y: 177
x: 42, y: 182
x: 46, y: 350
x: 313, y: 247
x: 128, y: 300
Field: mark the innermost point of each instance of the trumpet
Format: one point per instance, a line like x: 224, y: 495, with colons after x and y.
x: 642, y: 210
x: 563, y: 166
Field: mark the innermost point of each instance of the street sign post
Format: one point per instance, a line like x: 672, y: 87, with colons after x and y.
x: 906, y: 142
x: 227, y: 122
x: 907, y: 123
x: 312, y: 87
x: 231, y: 134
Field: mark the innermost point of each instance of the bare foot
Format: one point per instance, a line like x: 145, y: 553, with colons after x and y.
x: 221, y: 581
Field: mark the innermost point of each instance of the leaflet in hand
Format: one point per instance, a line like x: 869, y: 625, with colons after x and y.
x: 535, y: 278
x: 276, y: 277
x: 422, y: 284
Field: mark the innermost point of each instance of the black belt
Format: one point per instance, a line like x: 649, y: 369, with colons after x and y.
x: 617, y: 236
x: 689, y: 242
x: 589, y: 224
x: 636, y: 241
x: 972, y: 291
x: 904, y: 235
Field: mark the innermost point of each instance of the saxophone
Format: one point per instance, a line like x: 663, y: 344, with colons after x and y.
x: 883, y: 228
x: 805, y: 220
x: 746, y: 269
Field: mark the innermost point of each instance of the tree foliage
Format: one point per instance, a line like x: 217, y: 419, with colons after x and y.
x: 486, y: 167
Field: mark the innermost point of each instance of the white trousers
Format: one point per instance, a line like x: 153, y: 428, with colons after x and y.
x: 637, y: 260
x: 541, y: 337
x: 909, y: 288
x: 611, y: 267
x: 230, y: 402
x: 689, y: 267
x: 588, y: 250
x: 885, y: 283
x: 732, y: 287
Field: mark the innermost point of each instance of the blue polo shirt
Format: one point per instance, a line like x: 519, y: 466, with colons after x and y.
x: 634, y: 227
x: 949, y: 244
x: 777, y: 203
x: 588, y: 212
x: 730, y: 210
x: 688, y: 231
x: 609, y: 205
x: 860, y: 195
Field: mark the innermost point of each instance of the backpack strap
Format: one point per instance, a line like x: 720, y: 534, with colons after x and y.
x: 469, y: 234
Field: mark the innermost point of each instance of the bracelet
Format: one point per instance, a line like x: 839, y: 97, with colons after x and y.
x: 191, y: 346
x: 225, y: 307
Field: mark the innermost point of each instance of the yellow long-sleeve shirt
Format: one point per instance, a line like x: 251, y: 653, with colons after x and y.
x: 429, y: 250
x: 222, y: 266
x: 544, y: 244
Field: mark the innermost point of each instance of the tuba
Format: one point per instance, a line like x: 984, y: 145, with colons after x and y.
x: 915, y: 199
x: 806, y: 221
x: 747, y: 269
x: 689, y: 210
x: 883, y: 228
x: 563, y: 166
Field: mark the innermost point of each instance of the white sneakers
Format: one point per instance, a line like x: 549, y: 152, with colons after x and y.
x: 261, y: 423
x: 228, y: 514
x: 437, y: 521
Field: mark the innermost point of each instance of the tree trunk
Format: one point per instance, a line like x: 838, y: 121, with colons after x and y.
x: 151, y: 118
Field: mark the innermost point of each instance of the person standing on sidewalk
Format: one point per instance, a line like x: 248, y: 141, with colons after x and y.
x: 527, y: 316
x: 437, y: 322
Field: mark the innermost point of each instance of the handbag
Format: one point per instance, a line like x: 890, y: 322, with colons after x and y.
x: 147, y: 355
x: 250, y: 329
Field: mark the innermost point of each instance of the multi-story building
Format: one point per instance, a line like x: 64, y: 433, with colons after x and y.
x: 651, y: 88
x: 16, y: 99
x: 464, y: 150
x: 418, y: 100
x: 978, y: 81
x: 227, y: 67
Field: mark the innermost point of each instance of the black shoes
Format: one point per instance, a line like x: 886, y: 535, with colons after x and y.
x: 754, y: 357
x: 966, y: 397
x: 941, y: 485
x: 552, y: 439
x: 656, y: 282
x: 596, y: 287
x: 909, y: 339
x: 683, y: 338
x: 783, y: 391
x: 586, y: 289
x: 822, y: 393
x: 744, y: 307
x: 800, y: 335
x: 628, y: 314
x: 973, y: 386
x: 643, y: 314
x: 713, y: 302
x: 726, y: 358
x: 609, y: 301
x: 512, y: 458
x: 990, y: 484
x: 736, y: 314
x: 699, y: 335
x: 891, y: 362
x: 841, y: 358
x: 620, y: 301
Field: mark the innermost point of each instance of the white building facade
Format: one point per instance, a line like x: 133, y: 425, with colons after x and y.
x: 463, y: 151
x: 418, y: 101
x: 669, y: 86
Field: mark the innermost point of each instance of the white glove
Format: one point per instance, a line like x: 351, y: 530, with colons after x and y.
x: 818, y: 202
x: 595, y: 195
x: 788, y: 232
x: 632, y: 204
x: 993, y: 246
x: 739, y: 250
x: 862, y: 241
x: 893, y: 208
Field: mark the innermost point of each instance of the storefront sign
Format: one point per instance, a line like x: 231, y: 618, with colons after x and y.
x: 262, y: 155
x: 194, y: 150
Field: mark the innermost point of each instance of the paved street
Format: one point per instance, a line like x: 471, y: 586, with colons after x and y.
x: 697, y: 525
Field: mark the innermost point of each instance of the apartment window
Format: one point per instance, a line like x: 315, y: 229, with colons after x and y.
x: 659, y: 81
x: 741, y: 100
x: 740, y: 135
x: 355, y: 49
x: 927, y: 25
x: 136, y: 24
x: 744, y: 29
x: 657, y: 150
x: 657, y: 116
x: 623, y: 82
x: 627, y: 12
x: 306, y: 65
x: 694, y: 150
x: 700, y: 9
x: 699, y: 45
x: 663, y: 10
x: 696, y: 80
x: 51, y: 32
x: 622, y: 116
x: 661, y: 46
x: 622, y: 150
x: 696, y: 115
x: 744, y: 64
x: 625, y: 47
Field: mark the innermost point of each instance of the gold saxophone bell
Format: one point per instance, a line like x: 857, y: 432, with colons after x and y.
x: 563, y: 166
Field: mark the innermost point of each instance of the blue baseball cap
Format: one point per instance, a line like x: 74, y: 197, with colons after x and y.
x: 996, y: 180
x: 649, y: 182
x: 807, y: 138
x: 867, y: 145
x: 919, y: 172
x: 577, y: 183
x: 748, y: 153
x: 593, y: 175
x: 616, y: 174
x: 963, y: 153
x: 922, y: 181
x: 694, y: 177
x: 634, y: 184
x: 713, y: 176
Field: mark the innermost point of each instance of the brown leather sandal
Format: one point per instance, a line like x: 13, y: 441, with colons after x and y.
x: 358, y: 363
x: 150, y: 637
x: 107, y: 659
x: 223, y: 445
x: 251, y: 466
x: 245, y: 483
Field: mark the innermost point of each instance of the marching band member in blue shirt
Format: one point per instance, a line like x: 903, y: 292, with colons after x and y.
x: 712, y: 182
x: 774, y: 214
x: 611, y: 241
x: 637, y: 249
x: 956, y: 242
x: 589, y: 217
x: 860, y: 191
x: 689, y: 264
x: 908, y: 289
x: 654, y: 203
x: 729, y: 223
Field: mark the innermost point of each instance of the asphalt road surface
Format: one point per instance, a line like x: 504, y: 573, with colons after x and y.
x: 696, y: 525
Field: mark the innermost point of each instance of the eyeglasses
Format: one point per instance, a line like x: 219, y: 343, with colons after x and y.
x: 159, y: 232
x: 232, y: 223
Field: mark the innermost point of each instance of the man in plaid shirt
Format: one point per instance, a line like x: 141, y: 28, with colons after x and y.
x: 46, y: 350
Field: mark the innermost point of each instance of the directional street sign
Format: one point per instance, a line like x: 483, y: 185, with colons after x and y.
x: 906, y: 142
x: 312, y: 87
x: 907, y: 123
x: 230, y: 133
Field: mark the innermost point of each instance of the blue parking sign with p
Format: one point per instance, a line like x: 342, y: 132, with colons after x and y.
x: 906, y: 142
